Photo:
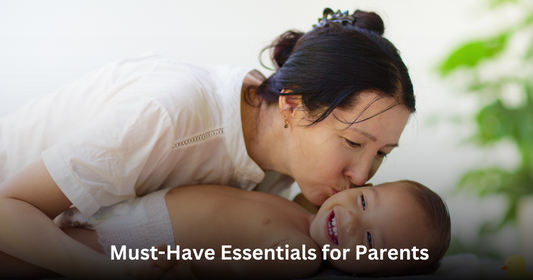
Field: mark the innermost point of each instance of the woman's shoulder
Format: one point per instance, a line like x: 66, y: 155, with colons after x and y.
x: 187, y: 83
x: 197, y: 98
x: 156, y: 69
x: 194, y: 93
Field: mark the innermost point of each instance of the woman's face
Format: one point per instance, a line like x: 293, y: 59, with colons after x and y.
x: 332, y: 156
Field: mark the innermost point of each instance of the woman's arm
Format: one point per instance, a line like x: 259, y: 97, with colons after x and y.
x: 29, y: 201
x: 13, y: 268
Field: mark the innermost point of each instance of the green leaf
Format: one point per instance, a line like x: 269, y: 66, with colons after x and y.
x: 493, y: 123
x: 510, y: 214
x: 497, y: 120
x: 470, y: 54
x: 512, y: 184
x: 483, y: 181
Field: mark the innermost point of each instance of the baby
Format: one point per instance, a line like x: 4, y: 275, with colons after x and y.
x: 399, y: 228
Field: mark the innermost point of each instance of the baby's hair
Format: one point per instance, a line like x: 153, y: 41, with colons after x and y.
x: 437, y: 222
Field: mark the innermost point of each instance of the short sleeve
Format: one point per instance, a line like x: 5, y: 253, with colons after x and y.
x: 100, y: 163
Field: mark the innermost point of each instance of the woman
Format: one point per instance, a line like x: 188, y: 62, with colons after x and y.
x: 335, y: 107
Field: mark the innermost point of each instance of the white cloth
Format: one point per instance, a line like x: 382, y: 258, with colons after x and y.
x: 133, y: 127
x: 137, y: 223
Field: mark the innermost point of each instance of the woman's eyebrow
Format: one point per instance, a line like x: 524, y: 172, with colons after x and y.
x: 372, y: 137
x: 366, y: 134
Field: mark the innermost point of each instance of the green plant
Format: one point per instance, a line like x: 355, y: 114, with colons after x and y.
x: 508, y: 56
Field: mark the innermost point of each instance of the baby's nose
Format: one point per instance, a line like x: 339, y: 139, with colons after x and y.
x: 350, y: 222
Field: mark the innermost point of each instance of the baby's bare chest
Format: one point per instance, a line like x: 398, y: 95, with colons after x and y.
x: 243, y: 225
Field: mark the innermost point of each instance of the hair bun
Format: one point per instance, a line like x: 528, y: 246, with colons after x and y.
x: 369, y: 21
x: 284, y: 45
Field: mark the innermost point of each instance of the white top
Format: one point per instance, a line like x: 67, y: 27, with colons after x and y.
x: 133, y: 127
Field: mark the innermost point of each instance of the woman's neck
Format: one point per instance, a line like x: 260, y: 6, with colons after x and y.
x: 262, y: 127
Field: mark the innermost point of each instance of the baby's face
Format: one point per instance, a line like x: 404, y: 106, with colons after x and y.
x: 384, y: 216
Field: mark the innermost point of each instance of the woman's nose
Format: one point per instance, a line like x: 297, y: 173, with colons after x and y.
x: 358, y: 174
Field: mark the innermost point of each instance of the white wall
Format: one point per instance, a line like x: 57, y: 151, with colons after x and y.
x: 44, y: 44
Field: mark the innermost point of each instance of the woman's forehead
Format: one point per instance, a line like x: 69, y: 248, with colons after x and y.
x: 376, y: 121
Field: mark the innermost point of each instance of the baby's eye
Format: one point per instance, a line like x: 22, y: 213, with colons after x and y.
x: 352, y: 144
x: 363, y: 202
x: 369, y: 237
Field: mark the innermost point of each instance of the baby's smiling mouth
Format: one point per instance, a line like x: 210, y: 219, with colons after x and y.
x: 332, y: 228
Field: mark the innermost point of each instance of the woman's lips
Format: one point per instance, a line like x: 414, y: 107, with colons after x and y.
x: 331, y: 228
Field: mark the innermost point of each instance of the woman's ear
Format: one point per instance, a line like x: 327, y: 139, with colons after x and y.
x: 289, y: 103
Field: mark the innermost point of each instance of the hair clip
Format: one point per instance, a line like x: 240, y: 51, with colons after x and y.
x: 337, y: 19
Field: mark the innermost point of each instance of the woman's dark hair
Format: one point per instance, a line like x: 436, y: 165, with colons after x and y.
x: 329, y: 66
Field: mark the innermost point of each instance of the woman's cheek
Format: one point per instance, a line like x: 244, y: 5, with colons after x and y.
x: 319, y: 200
x: 316, y: 194
x: 375, y: 166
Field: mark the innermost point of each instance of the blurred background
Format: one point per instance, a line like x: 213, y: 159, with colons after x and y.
x: 471, y: 63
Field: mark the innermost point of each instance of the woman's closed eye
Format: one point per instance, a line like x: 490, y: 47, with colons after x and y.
x: 352, y: 144
x: 381, y: 154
